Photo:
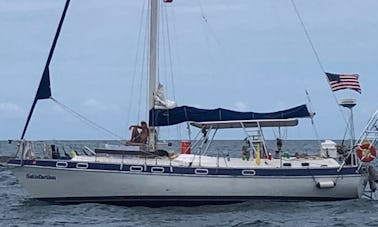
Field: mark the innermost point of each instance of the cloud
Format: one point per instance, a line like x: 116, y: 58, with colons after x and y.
x: 95, y: 104
x: 26, y: 6
x: 241, y: 106
x: 99, y: 106
x: 10, y: 110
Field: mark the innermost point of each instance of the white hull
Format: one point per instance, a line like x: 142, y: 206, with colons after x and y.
x: 76, y: 185
x: 125, y: 174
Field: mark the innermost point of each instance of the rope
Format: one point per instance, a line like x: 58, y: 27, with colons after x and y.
x: 308, y: 37
x: 205, y: 20
x: 316, y: 54
x: 345, y: 134
x: 144, y: 60
x: 170, y: 54
x: 84, y: 119
x: 132, y: 90
x: 169, y: 65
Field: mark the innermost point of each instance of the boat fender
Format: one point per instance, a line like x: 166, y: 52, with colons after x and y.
x: 325, y: 184
x: 172, y: 156
x: 366, y: 152
x: 372, y: 178
x: 73, y: 153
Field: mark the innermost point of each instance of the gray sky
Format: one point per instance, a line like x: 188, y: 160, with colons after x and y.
x: 248, y: 55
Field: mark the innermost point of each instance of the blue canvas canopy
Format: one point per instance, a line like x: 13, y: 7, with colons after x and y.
x: 165, y: 117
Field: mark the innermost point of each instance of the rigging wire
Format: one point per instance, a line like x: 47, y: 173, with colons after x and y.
x: 131, y: 97
x: 164, y: 48
x: 177, y: 57
x: 143, y: 73
x: 308, y: 36
x: 165, y: 56
x: 84, y: 119
x: 315, y: 52
x: 205, y: 20
x: 161, y: 41
x: 169, y: 60
x: 345, y: 134
x: 206, y: 27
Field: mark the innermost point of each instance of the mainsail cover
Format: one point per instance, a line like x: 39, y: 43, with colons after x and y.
x: 165, y: 117
x: 161, y: 102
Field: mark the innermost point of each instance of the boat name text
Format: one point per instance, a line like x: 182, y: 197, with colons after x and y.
x: 40, y: 176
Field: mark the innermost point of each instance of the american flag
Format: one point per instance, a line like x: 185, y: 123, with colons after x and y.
x: 343, y: 81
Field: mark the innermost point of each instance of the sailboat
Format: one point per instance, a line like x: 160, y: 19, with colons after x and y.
x: 147, y: 174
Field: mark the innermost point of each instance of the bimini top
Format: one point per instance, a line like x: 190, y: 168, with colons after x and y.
x: 165, y: 117
x: 246, y: 124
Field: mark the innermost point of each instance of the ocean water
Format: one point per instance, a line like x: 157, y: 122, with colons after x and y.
x: 17, y: 210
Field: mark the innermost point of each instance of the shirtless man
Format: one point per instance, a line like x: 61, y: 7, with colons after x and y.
x: 139, y: 137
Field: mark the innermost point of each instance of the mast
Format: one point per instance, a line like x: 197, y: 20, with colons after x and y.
x: 154, y: 21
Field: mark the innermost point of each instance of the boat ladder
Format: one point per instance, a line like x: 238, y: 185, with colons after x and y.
x: 255, y: 137
x: 370, y: 133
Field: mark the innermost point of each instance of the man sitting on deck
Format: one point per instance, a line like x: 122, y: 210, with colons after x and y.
x: 136, y: 136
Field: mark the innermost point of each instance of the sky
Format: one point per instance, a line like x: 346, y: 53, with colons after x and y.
x: 246, y: 55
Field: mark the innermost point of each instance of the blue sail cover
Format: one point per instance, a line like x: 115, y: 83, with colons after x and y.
x: 165, y: 117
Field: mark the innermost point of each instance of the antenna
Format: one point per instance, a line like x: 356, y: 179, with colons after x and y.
x: 350, y: 103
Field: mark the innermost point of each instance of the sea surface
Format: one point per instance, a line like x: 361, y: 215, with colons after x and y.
x: 17, y: 210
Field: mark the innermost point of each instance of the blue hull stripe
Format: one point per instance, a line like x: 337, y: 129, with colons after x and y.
x: 191, y: 170
x: 159, y: 201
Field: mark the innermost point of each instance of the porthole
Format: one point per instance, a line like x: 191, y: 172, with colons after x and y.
x: 136, y: 168
x: 82, y: 165
x: 201, y: 171
x: 248, y: 172
x: 157, y: 169
x: 61, y: 164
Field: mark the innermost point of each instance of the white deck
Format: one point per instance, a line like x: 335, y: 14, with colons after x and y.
x: 207, y: 161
